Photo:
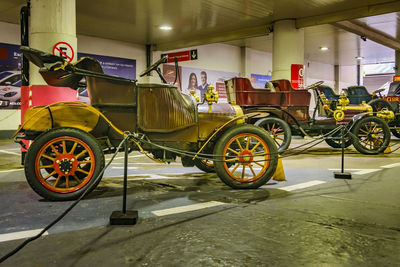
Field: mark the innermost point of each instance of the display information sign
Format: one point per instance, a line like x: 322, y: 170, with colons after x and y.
x: 297, y: 75
x: 182, y: 55
x: 64, y: 50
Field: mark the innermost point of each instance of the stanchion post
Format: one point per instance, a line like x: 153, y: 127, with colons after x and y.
x: 124, y: 217
x: 342, y: 174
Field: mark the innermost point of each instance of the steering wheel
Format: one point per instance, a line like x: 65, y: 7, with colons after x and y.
x: 378, y: 91
x: 314, y: 85
x: 154, y: 66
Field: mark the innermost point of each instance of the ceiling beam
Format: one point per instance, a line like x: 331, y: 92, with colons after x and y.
x: 216, y: 37
x: 370, y: 33
x: 349, y: 14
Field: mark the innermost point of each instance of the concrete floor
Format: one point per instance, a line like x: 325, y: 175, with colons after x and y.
x: 309, y: 220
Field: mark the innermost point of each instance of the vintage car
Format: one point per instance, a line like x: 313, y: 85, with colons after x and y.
x: 70, y: 138
x: 289, y: 113
x: 358, y: 94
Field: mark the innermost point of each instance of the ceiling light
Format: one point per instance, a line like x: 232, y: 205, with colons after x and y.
x: 359, y: 57
x: 323, y: 48
x: 166, y: 28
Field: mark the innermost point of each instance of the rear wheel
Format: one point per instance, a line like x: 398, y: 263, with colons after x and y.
x: 278, y: 129
x: 204, y: 165
x: 245, y: 157
x: 371, y: 135
x: 62, y: 163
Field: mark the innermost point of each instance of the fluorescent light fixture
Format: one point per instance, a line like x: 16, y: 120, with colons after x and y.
x: 359, y: 57
x: 323, y: 48
x: 166, y: 28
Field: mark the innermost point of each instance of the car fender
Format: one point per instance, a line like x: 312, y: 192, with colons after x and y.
x: 64, y: 114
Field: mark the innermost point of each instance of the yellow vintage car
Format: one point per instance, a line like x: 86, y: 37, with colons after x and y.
x: 70, y: 138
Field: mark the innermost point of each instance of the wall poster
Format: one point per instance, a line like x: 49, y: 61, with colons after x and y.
x: 199, y: 79
x: 259, y: 80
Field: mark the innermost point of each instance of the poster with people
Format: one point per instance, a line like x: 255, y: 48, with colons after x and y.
x: 259, y: 80
x: 198, y: 80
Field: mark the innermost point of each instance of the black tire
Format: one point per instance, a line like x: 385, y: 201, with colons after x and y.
x: 277, y: 128
x: 76, y: 161
x: 395, y: 132
x: 337, y: 143
x: 204, y: 165
x: 371, y: 135
x: 241, y: 140
x: 379, y: 104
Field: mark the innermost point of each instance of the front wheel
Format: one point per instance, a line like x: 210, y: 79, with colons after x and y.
x: 335, y: 140
x: 371, y: 135
x: 62, y: 163
x: 245, y: 157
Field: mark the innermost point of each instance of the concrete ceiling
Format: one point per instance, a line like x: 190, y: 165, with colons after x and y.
x: 198, y: 22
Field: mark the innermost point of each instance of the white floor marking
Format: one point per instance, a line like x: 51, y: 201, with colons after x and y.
x: 302, y: 185
x: 357, y: 171
x: 129, y: 168
x: 366, y: 171
x: 390, y: 165
x: 187, y: 208
x: 147, y: 163
x: 11, y: 153
x: 12, y: 170
x: 131, y: 157
x: 20, y: 235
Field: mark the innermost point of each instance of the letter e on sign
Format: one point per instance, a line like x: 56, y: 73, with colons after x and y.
x: 64, y: 50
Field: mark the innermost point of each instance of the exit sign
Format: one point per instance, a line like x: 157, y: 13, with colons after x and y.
x: 182, y: 55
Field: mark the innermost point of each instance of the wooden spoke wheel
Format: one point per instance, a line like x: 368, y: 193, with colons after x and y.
x: 245, y: 157
x: 62, y: 163
x: 371, y: 135
x: 278, y: 129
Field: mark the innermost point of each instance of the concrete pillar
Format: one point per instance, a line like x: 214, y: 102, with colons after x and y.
x: 243, y: 61
x: 337, y: 78
x: 397, y: 60
x: 288, y: 48
x: 51, y: 22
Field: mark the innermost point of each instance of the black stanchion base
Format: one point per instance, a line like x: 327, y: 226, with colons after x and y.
x: 120, y: 218
x: 342, y: 175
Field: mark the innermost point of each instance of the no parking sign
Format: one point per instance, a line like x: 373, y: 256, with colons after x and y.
x: 64, y: 50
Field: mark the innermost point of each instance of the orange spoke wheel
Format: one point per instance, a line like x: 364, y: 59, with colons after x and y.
x: 62, y: 162
x: 371, y: 135
x: 245, y: 157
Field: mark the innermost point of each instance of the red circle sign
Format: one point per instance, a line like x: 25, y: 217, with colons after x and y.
x: 64, y: 50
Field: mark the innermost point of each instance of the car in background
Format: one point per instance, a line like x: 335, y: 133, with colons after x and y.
x: 9, y: 77
x: 11, y: 93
